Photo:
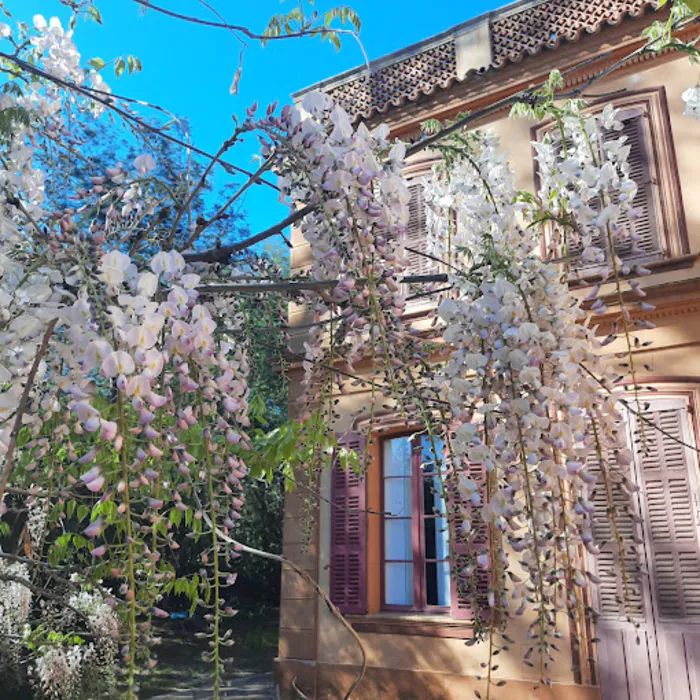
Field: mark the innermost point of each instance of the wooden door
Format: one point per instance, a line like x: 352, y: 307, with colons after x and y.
x: 658, y: 658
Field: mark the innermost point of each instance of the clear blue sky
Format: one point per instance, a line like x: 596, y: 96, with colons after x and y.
x: 188, y: 69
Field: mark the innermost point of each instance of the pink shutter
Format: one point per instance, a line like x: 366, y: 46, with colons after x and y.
x: 670, y: 517
x: 349, y: 532
x: 462, y: 603
x: 610, y: 597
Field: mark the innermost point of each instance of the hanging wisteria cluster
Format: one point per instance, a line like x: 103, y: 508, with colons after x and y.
x: 124, y: 380
x: 531, y: 397
x: 123, y: 414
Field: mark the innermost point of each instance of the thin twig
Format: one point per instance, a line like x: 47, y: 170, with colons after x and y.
x: 230, y: 202
x: 310, y: 31
x: 224, y: 252
x: 309, y: 579
x: 639, y: 414
x: 305, y: 285
x: 24, y: 400
x: 107, y: 99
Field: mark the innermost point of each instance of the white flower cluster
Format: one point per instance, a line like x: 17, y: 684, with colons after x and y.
x: 353, y: 175
x: 523, y: 378
x: 59, y: 670
x: 15, y: 601
x: 691, y: 97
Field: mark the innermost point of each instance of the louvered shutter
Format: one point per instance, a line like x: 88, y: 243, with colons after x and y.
x: 349, y: 532
x: 462, y: 604
x: 648, y: 246
x: 646, y: 225
x: 611, y: 604
x: 416, y: 232
x: 670, y: 517
x: 416, y: 238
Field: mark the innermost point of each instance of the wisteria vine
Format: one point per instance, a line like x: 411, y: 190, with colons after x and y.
x: 124, y: 410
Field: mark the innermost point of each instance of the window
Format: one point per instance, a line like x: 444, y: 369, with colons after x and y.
x: 660, y: 227
x: 416, y: 566
x: 394, y: 553
x: 665, y: 525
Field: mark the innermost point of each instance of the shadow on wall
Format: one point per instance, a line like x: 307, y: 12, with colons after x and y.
x: 422, y: 668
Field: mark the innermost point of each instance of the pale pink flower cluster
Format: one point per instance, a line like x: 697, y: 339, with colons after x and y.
x: 354, y: 176
x: 523, y: 381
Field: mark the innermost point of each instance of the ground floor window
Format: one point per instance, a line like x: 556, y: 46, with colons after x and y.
x: 416, y: 565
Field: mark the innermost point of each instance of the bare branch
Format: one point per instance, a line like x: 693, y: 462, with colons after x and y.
x: 107, y: 99
x: 24, y: 400
x: 229, y: 203
x: 293, y: 286
x: 309, y: 579
x: 223, y: 253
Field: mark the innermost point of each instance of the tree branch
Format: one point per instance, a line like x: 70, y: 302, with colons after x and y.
x: 222, y: 253
x: 107, y: 99
x: 24, y: 400
x: 309, y: 579
x: 305, y: 285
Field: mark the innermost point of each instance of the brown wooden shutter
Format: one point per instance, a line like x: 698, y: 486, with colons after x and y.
x: 670, y: 516
x: 462, y: 603
x: 349, y: 532
x: 416, y: 232
x: 646, y: 225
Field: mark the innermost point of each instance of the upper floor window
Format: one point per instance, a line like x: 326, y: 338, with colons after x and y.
x: 660, y: 227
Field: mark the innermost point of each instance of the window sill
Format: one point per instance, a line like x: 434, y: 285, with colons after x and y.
x: 660, y: 265
x: 413, y: 624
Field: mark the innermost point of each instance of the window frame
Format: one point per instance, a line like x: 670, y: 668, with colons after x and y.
x: 667, y: 202
x: 419, y: 604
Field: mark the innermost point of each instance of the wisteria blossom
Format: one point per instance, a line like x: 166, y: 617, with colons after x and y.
x: 124, y: 382
x: 691, y: 97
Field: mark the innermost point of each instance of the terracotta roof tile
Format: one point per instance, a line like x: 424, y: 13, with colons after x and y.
x: 546, y: 25
x: 515, y: 33
x: 416, y: 75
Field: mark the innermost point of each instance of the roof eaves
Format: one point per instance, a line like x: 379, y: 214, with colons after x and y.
x: 415, y: 49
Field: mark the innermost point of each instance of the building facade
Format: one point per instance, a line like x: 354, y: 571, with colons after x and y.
x: 389, y: 574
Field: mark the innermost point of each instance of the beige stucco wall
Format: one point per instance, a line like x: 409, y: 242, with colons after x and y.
x: 309, y: 631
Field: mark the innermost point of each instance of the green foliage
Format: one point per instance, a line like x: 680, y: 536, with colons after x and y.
x: 130, y: 63
x: 298, y: 23
x: 41, y: 637
x: 538, y: 101
x: 11, y: 118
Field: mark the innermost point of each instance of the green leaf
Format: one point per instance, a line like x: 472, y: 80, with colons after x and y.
x: 693, y: 6
x: 94, y: 13
x: 83, y: 511
x: 119, y: 67
x: 96, y: 63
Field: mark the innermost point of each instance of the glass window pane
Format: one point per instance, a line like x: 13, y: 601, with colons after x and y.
x: 442, y: 539
x: 398, y: 584
x: 397, y: 497
x: 437, y: 583
x: 398, y: 539
x: 397, y: 457
x: 429, y: 458
x: 432, y: 498
x: 437, y: 538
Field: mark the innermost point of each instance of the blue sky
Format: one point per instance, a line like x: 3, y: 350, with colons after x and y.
x: 188, y: 69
